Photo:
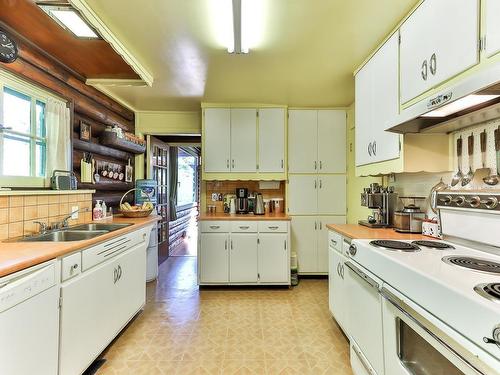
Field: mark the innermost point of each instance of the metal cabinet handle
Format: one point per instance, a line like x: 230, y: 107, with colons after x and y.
x: 231, y: 244
x: 225, y: 245
x: 273, y: 228
x: 363, y: 275
x: 315, y: 225
x: 282, y: 163
x: 370, y: 149
x: 320, y: 225
x: 338, y: 269
x: 363, y: 361
x: 244, y: 227
x: 120, y: 272
x: 214, y: 226
x: 315, y: 165
x: 342, y: 271
x: 374, y: 148
x: 423, y: 70
x: 334, y: 243
x: 115, y: 276
x: 320, y: 164
x: 320, y: 184
x: 285, y: 244
x: 315, y: 184
x: 232, y: 163
x: 227, y: 163
x: 433, y: 64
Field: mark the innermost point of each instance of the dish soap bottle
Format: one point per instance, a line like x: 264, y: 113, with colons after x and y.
x: 104, y: 210
x: 97, y: 211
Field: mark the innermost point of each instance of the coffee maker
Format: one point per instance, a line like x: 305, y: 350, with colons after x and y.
x: 382, y: 201
x: 241, y: 200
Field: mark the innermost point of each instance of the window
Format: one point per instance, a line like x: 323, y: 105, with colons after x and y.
x: 187, y: 179
x: 23, y: 133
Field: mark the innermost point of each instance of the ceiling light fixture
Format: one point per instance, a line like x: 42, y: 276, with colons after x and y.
x: 238, y: 44
x: 460, y: 104
x: 70, y: 19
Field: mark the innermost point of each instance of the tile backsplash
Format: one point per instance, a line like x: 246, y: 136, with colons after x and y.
x: 19, y: 212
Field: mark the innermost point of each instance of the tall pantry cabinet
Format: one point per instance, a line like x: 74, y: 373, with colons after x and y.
x: 316, y: 182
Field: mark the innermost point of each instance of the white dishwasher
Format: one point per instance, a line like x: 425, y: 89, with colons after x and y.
x: 29, y: 321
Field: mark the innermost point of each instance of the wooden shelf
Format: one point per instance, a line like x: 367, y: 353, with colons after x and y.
x: 101, y: 150
x: 111, y: 139
x: 107, y: 185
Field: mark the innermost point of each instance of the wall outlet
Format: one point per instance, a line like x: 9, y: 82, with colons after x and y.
x: 74, y: 216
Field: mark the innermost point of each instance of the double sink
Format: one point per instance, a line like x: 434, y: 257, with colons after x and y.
x: 76, y: 233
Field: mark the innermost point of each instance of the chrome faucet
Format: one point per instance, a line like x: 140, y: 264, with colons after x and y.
x: 44, y: 228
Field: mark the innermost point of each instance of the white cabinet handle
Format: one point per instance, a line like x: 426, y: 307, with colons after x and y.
x: 214, y: 226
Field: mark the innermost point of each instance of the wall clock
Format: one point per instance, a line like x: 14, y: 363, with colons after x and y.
x: 8, y: 48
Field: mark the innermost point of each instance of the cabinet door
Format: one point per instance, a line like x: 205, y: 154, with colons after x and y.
x: 217, y: 139
x: 322, y: 240
x: 331, y: 141
x: 335, y: 285
x: 274, y: 261
x: 302, y: 194
x: 302, y: 141
x: 131, y: 285
x: 492, y: 26
x: 272, y: 140
x: 428, y: 54
x: 243, y: 140
x: 332, y: 195
x: 214, y: 258
x: 304, y: 242
x: 384, y: 68
x: 88, y: 324
x: 363, y: 115
x: 243, y: 258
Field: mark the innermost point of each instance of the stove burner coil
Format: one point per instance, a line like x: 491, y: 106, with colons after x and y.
x: 395, y: 245
x: 476, y: 264
x: 489, y: 291
x: 433, y: 244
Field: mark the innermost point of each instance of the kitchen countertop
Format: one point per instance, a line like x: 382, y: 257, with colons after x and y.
x: 224, y: 216
x: 16, y: 256
x: 356, y: 231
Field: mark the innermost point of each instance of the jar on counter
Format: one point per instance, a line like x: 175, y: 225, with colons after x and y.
x: 267, y: 206
x: 277, y: 205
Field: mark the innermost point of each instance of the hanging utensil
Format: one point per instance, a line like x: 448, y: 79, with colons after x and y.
x: 481, y: 173
x: 470, y: 151
x: 458, y: 176
x: 495, y: 179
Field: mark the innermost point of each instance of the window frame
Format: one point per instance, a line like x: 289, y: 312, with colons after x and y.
x: 36, y: 95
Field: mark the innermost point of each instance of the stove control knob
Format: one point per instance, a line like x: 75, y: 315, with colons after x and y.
x: 352, y: 250
x: 490, y: 203
x: 446, y: 200
x: 495, y: 337
x: 460, y: 200
x: 475, y: 202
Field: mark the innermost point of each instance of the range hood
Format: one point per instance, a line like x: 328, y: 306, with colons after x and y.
x: 472, y: 100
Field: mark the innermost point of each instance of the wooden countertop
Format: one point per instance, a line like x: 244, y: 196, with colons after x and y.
x: 359, y: 232
x: 16, y: 256
x: 224, y: 216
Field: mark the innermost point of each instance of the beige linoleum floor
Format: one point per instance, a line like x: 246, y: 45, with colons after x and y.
x: 185, y: 331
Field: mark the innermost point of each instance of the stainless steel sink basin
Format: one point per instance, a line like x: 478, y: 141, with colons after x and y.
x: 99, y: 226
x: 64, y: 236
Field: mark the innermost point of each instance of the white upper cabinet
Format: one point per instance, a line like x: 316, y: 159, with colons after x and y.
x: 331, y: 141
x: 244, y: 140
x: 377, y: 106
x: 332, y: 194
x: 217, y: 140
x: 272, y: 140
x: 302, y: 141
x: 302, y: 194
x: 492, y: 27
x: 438, y: 41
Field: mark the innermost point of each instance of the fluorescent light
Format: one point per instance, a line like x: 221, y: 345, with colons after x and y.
x: 237, y: 45
x: 71, y: 20
x: 459, y: 105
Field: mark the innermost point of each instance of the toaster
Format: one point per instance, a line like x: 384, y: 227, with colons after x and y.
x: 63, y: 180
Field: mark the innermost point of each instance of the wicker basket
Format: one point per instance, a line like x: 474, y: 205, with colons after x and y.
x: 136, y: 213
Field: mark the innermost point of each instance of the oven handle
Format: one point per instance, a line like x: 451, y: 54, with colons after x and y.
x: 363, y: 360
x: 363, y: 275
x: 460, y: 353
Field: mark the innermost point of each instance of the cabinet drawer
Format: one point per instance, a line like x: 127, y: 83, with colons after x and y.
x: 113, y: 247
x: 273, y: 226
x: 243, y: 226
x: 335, y: 240
x: 71, y: 266
x: 214, y: 226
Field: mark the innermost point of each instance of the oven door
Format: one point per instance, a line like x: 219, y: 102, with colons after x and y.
x: 416, y: 343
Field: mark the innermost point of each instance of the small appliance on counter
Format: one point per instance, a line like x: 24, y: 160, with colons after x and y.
x: 241, y: 200
x: 63, y: 180
x: 410, y: 218
x: 382, y: 200
x: 259, y: 205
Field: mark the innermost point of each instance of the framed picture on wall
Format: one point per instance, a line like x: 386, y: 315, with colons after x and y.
x: 85, y: 131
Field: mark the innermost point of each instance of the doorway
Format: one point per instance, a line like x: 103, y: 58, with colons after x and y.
x: 174, y: 162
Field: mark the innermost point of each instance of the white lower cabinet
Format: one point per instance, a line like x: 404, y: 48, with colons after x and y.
x: 238, y: 257
x: 98, y: 303
x: 337, y: 295
x: 214, y: 256
x: 243, y: 258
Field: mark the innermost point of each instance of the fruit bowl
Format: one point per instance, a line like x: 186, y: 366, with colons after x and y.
x: 136, y: 211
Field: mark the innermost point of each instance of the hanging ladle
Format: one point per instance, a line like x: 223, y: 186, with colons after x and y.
x: 470, y: 151
x: 458, y: 176
x: 495, y: 179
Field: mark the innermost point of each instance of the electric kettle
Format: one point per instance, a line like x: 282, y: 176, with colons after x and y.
x: 259, y: 205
